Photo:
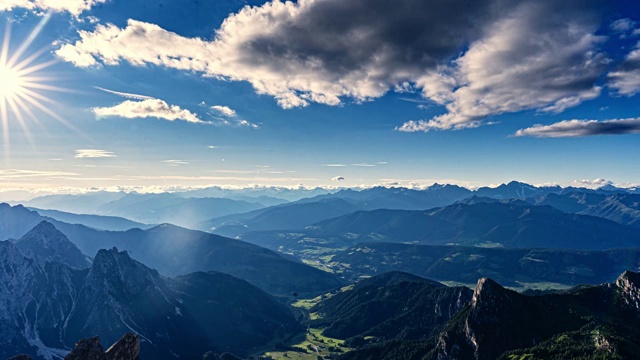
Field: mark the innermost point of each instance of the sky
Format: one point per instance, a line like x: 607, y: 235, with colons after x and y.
x: 138, y: 94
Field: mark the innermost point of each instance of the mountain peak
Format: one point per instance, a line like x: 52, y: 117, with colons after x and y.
x: 119, y: 269
x: 46, y: 227
x: 487, y: 293
x: 46, y: 243
x: 112, y: 255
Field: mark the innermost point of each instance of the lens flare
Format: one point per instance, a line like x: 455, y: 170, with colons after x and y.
x: 22, y: 84
x: 11, y: 82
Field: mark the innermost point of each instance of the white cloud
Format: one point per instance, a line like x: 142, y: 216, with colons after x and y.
x: 230, y: 117
x: 521, y: 55
x: 592, y: 184
x: 148, y: 108
x: 74, y: 7
x: 247, y: 123
x: 579, y: 128
x: 126, y: 95
x: 363, y: 165
x: 16, y: 174
x: 335, y: 165
x: 212, y: 147
x: 224, y: 110
x: 623, y: 25
x: 338, y: 178
x: 175, y: 162
x: 93, y: 154
x: 626, y: 80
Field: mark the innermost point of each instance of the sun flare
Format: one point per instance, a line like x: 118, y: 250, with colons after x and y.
x: 11, y: 82
x: 22, y: 85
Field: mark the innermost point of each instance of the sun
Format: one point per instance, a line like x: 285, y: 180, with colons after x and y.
x: 11, y: 83
x: 23, y: 86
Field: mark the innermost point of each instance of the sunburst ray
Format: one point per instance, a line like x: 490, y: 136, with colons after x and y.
x: 22, y: 84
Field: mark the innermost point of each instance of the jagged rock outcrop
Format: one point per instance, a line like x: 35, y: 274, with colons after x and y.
x: 87, y: 349
x: 497, y: 320
x: 21, y: 357
x: 629, y: 284
x: 127, y: 348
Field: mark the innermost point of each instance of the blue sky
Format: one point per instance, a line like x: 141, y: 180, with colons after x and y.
x: 234, y: 93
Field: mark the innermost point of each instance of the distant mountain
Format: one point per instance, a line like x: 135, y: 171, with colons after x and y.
x: 620, y: 207
x: 623, y: 209
x: 516, y: 190
x: 45, y: 309
x: 178, y: 251
x: 74, y: 203
x: 273, y: 192
x: 508, y: 225
x: 514, y: 224
x: 390, y: 306
x: 594, y: 322
x: 173, y: 208
x: 99, y: 222
x: 286, y: 216
x: 45, y: 243
x: 401, y: 198
x: 305, y: 212
x: 462, y: 264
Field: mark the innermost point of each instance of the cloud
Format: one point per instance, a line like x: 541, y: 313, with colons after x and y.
x: 74, y: 7
x: 224, y: 110
x: 334, y: 165
x: 126, y: 95
x: 626, y: 80
x: 338, y: 178
x: 578, y: 128
x: 592, y: 184
x: 247, y: 123
x: 363, y: 165
x: 493, y: 57
x: 230, y: 117
x: 535, y: 59
x: 93, y: 154
x: 148, y: 108
x: 175, y: 162
x: 623, y: 26
x: 14, y: 174
x: 212, y: 147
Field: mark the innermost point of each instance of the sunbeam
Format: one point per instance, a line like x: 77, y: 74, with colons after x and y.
x: 22, y: 84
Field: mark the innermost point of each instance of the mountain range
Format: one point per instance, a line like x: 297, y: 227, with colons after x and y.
x: 589, y: 322
x: 145, y: 208
x: 177, y: 251
x: 46, y: 306
x: 195, y: 295
x: 519, y: 268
